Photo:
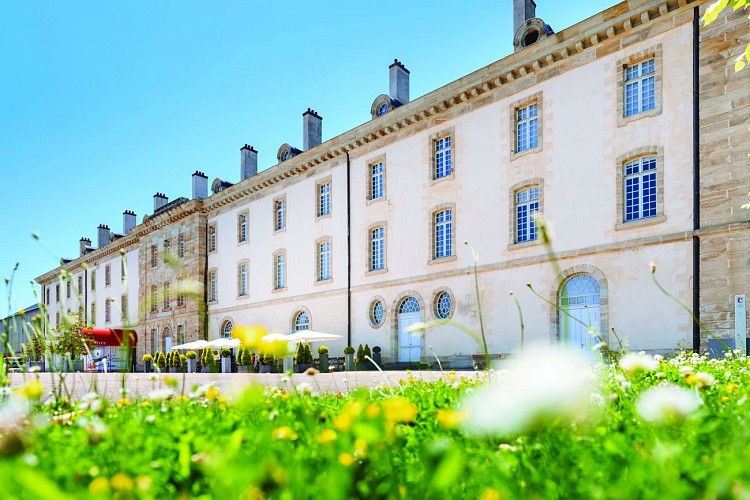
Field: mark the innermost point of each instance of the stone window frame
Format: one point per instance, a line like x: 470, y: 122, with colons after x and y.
x: 167, y: 295
x: 433, y: 307
x: 79, y: 281
x: 166, y: 246
x: 534, y: 181
x: 154, y: 298
x: 46, y: 295
x: 181, y: 302
x: 212, y: 296
x: 274, y: 273
x: 154, y: 257
x: 275, y: 223
x: 68, y: 288
x: 318, y: 184
x: 368, y: 181
x: 213, y: 237
x: 554, y: 300
x: 108, y: 275
x: 658, y: 152
x: 93, y: 279
x: 295, y: 315
x: 535, y: 98
x: 654, y: 52
x: 108, y: 310
x: 93, y: 312
x: 375, y: 225
x: 243, y: 262
x: 181, y: 245
x: 432, y: 236
x: 318, y: 243
x: 123, y: 307
x: 243, y: 213
x: 123, y: 270
x: 432, y: 140
x: 370, y: 308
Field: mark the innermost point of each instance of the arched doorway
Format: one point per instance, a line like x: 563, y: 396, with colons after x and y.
x: 409, y: 343
x: 580, y: 313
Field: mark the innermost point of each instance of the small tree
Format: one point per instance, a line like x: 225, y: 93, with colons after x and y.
x: 191, y: 355
x: 360, y: 354
x: 308, y: 354
x: 367, y: 352
x: 207, y: 357
x: 70, y: 339
x: 160, y: 359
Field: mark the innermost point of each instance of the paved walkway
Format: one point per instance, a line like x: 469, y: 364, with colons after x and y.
x: 139, y: 385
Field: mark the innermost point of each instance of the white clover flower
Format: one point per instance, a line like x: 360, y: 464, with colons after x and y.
x: 658, y: 357
x: 543, y: 384
x: 151, y: 419
x: 701, y: 380
x: 686, y: 370
x: 160, y: 394
x: 633, y: 364
x: 667, y: 403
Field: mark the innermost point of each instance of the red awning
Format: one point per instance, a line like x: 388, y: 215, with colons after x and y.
x: 111, y: 336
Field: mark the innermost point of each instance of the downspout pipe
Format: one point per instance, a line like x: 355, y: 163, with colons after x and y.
x: 348, y: 253
x: 696, y: 183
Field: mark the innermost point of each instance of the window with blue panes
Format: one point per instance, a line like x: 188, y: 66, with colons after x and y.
x: 324, y: 261
x: 377, y: 239
x: 527, y: 133
x: 639, y: 87
x: 640, y: 188
x: 527, y: 204
x: 324, y: 199
x: 443, y: 224
x: 376, y: 180
x: 443, y: 157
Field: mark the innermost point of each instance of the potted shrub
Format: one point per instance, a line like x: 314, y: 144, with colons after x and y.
x: 367, y: 363
x: 72, y: 343
x: 160, y: 360
x: 359, y: 359
x: 376, y: 356
x: 323, y: 359
x: 176, y: 362
x: 349, y: 355
x: 267, y: 363
x: 192, y: 361
x: 303, y: 357
x: 183, y: 363
x: 34, y: 351
x: 147, y: 360
x: 207, y: 360
x: 226, y: 360
x: 244, y: 360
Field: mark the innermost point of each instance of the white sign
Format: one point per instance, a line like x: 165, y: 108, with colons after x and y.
x: 740, y: 323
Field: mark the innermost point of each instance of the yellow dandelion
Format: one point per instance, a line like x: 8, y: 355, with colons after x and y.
x: 170, y: 381
x: 344, y: 421
x: 212, y: 393
x: 449, y: 419
x: 490, y: 494
x: 123, y: 402
x: 346, y: 459
x: 33, y: 390
x: 99, y: 486
x: 372, y: 411
x: 327, y: 436
x: 399, y: 410
x: 360, y: 448
x: 121, y: 482
x: 284, y: 432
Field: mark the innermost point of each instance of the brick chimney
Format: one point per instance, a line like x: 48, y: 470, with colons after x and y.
x: 200, y: 185
x: 102, y: 234
x: 160, y: 199
x: 523, y: 10
x: 312, y: 129
x: 128, y: 221
x: 85, y: 244
x: 248, y: 162
x: 399, y: 82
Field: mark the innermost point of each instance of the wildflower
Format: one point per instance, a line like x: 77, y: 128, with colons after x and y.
x: 542, y: 384
x: 311, y: 371
x: 327, y: 436
x: 490, y: 494
x: 170, y: 381
x: 450, y: 419
x: 686, y: 370
x: 343, y: 422
x: 143, y: 483
x: 99, y: 486
x: 633, y: 364
x: 160, y: 395
x: 284, y: 432
x: 121, y: 482
x: 372, y: 411
x: 33, y: 390
x: 346, y: 459
x: 667, y: 403
x: 399, y: 410
x: 701, y: 380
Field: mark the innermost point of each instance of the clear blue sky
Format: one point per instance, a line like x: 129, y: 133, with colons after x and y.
x: 102, y: 104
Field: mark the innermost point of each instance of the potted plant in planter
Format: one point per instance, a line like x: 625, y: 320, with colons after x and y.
x: 226, y: 360
x: 72, y: 343
x: 376, y: 356
x: 183, y: 363
x: 367, y: 354
x: 244, y: 360
x: 34, y: 351
x: 323, y: 359
x: 267, y: 363
x: 349, y: 355
x: 359, y: 359
x: 160, y: 360
x: 303, y: 358
x: 192, y: 361
x: 147, y: 360
x: 176, y: 362
x: 207, y: 360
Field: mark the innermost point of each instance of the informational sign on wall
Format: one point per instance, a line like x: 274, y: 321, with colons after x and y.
x: 740, y: 323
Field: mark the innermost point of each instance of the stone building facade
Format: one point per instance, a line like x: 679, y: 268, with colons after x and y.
x: 626, y: 131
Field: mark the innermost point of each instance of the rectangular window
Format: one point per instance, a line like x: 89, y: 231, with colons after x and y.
x: 377, y: 249
x: 324, y: 199
x: 180, y: 292
x: 324, y: 261
x: 279, y: 219
x: 181, y: 246
x: 443, y: 234
x: 242, y: 280
x: 241, y: 228
x: 124, y: 308
x: 443, y: 157
x: 212, y: 286
x: 154, y: 293
x: 155, y: 339
x: 526, y: 128
x: 57, y: 318
x: 123, y: 272
x: 527, y: 204
x: 108, y: 310
x: 80, y: 285
x: 181, y: 334
x: 93, y: 280
x: 167, y: 244
x: 107, y: 275
x: 212, y: 238
x: 376, y: 181
x: 280, y: 271
x: 93, y: 313
x: 640, y: 188
x: 167, y: 296
x: 67, y: 289
x: 57, y: 293
x: 639, y: 87
x: 154, y: 252
x: 46, y: 296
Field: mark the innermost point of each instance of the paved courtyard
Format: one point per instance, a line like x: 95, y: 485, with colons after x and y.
x: 140, y: 384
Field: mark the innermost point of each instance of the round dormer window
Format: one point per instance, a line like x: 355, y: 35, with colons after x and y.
x: 531, y: 37
x: 382, y: 110
x: 287, y: 154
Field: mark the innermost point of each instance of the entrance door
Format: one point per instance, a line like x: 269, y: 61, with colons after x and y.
x: 580, y: 327
x: 409, y: 343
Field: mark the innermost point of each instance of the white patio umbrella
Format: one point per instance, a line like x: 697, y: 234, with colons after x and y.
x: 311, y: 336
x: 198, y: 344
x: 224, y: 342
x: 275, y: 337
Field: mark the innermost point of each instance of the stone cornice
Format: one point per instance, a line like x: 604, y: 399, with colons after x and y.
x: 616, y: 21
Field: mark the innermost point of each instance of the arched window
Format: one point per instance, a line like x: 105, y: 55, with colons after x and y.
x: 226, y: 329
x: 409, y: 305
x: 443, y: 305
x: 301, y: 321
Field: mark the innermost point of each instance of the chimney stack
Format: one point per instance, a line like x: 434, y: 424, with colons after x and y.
x: 399, y: 82
x: 160, y: 199
x: 523, y: 10
x: 128, y: 221
x: 312, y: 129
x: 85, y: 244
x: 200, y: 185
x: 102, y: 234
x: 249, y: 161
